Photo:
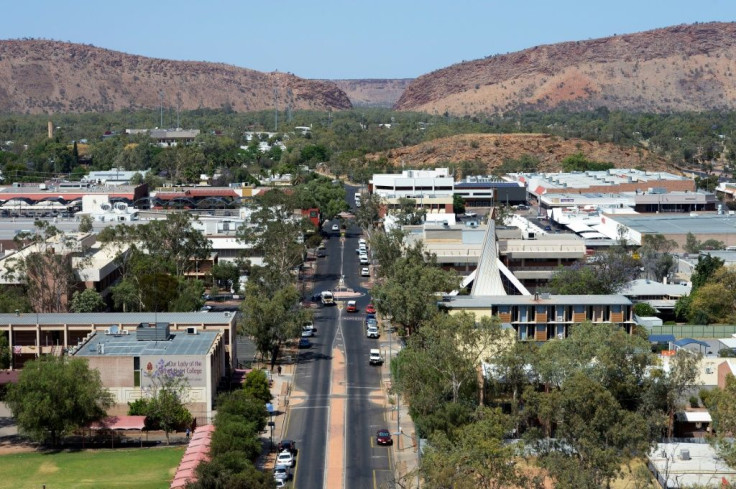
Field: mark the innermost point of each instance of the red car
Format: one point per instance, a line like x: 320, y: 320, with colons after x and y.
x: 383, y: 437
x: 370, y: 309
x: 352, y: 307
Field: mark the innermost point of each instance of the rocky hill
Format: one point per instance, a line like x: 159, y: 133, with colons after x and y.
x: 493, y: 149
x: 686, y: 67
x: 48, y: 76
x: 373, y: 92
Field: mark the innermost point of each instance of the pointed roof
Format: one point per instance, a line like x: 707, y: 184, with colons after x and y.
x: 487, y: 277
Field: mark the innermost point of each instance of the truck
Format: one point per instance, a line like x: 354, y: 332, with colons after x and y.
x: 327, y: 298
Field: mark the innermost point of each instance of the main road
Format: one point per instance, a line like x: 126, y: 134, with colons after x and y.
x: 366, y: 465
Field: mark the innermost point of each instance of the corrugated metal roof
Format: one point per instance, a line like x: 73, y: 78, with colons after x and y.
x: 193, y: 318
x: 478, y: 302
x: 104, y: 345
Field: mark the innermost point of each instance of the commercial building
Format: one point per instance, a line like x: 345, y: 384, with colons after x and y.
x: 615, y: 180
x: 133, y: 364
x: 31, y: 335
x: 480, y: 191
x: 413, y: 184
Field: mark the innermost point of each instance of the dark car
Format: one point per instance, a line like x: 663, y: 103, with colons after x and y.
x: 304, y: 343
x: 288, y: 445
x: 548, y: 228
x: 383, y: 437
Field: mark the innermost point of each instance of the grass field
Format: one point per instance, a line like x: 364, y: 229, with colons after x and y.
x: 143, y: 468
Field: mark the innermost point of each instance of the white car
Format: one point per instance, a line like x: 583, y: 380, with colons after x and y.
x: 364, y: 260
x: 365, y: 272
x: 281, y: 473
x: 307, y: 333
x: 335, y: 227
x: 285, y: 458
x: 372, y: 332
x: 361, y: 241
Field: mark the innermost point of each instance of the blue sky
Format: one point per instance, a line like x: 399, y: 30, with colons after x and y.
x: 343, y: 39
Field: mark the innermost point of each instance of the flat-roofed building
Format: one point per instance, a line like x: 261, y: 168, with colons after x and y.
x: 413, y: 183
x: 31, y: 335
x: 134, y: 363
x: 544, y: 317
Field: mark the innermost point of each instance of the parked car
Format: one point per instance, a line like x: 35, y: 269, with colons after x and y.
x: 370, y: 309
x: 365, y: 272
x: 280, y: 483
x: 548, y: 228
x: 335, y: 227
x: 383, y: 437
x: 372, y: 332
x: 352, y: 306
x: 304, y: 343
x: 307, y: 333
x: 364, y: 260
x: 287, y: 446
x: 310, y: 326
x: 285, y: 458
x: 281, y: 473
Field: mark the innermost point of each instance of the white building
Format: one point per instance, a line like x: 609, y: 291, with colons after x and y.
x: 413, y: 183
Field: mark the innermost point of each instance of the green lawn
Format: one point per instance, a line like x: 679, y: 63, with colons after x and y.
x: 141, y: 468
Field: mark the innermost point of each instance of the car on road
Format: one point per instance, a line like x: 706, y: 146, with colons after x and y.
x: 280, y: 483
x: 375, y: 358
x: 307, y: 333
x: 372, y: 332
x: 364, y: 260
x: 383, y: 437
x: 287, y: 446
x: 304, y: 343
x: 335, y: 227
x: 281, y: 473
x: 548, y: 228
x: 365, y: 272
x: 352, y: 306
x: 370, y: 309
x: 285, y: 458
x: 362, y: 241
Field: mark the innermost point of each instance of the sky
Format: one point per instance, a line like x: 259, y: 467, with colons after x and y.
x: 330, y: 39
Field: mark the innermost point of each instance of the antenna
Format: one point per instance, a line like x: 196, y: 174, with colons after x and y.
x: 161, y: 96
x: 276, y: 108
x: 290, y: 103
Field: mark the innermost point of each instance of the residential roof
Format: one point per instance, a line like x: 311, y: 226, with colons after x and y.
x: 674, y: 470
x: 119, y: 318
x: 661, y: 338
x: 691, y: 341
x: 644, y: 287
x: 179, y: 343
x: 694, y: 417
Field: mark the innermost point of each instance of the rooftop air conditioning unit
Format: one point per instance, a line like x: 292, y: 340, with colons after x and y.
x: 191, y: 330
x: 685, y: 454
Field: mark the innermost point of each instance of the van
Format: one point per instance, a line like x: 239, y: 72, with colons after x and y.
x: 327, y: 298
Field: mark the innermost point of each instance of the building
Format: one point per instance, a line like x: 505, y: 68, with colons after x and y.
x: 543, y: 317
x: 661, y: 296
x: 480, y: 191
x: 134, y: 363
x: 31, y: 335
x: 678, y: 464
x: 413, y: 184
x: 167, y: 138
x: 112, y: 177
x: 615, y: 180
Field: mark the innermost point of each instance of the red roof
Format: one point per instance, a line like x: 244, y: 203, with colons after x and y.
x: 197, y: 452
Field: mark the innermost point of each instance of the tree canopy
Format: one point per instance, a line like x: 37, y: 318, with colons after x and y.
x: 56, y: 395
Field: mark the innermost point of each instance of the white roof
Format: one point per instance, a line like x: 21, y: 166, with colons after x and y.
x: 579, y: 227
x: 695, y: 417
x: 728, y: 342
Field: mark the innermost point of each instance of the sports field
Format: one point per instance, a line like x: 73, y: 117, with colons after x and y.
x: 141, y: 468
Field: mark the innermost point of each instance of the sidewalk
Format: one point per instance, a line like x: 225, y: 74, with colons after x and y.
x: 405, y: 450
x: 280, y: 390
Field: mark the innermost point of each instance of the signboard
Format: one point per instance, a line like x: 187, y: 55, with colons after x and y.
x: 668, y: 353
x: 191, y: 368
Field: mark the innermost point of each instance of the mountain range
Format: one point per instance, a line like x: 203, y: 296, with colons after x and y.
x: 679, y: 68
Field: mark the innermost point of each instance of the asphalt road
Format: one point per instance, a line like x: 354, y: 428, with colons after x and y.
x: 367, y: 466
x: 308, y: 413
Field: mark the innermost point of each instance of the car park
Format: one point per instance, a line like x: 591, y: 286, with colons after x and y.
x: 370, y: 309
x: 365, y: 272
x: 383, y: 437
x: 281, y: 473
x: 285, y: 458
x: 352, y: 306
